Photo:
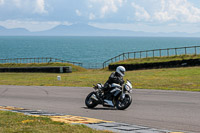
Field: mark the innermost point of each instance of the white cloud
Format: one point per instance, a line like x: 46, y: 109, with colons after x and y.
x: 27, y: 6
x: 1, y: 2
x: 181, y: 11
x: 107, y: 6
x: 177, y: 10
x: 140, y: 12
x: 40, y: 6
x: 78, y: 12
x: 92, y: 16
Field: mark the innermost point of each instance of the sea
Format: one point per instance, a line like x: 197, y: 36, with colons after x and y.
x: 85, y: 49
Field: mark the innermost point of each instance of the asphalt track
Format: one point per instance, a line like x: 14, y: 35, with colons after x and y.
x: 170, y: 110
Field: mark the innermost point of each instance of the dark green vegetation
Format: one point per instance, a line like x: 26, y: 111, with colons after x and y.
x: 74, y: 68
x: 158, y: 59
x: 19, y: 123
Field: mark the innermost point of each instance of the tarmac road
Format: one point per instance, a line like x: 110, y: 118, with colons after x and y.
x: 170, y: 110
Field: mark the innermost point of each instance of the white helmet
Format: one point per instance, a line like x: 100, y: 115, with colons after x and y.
x: 120, y: 70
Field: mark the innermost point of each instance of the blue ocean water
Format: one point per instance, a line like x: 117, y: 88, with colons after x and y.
x: 85, y: 49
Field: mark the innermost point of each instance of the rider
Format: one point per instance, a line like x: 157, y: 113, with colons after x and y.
x: 115, y: 77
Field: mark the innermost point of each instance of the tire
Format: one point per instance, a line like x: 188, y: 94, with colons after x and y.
x: 125, y: 103
x: 89, y: 102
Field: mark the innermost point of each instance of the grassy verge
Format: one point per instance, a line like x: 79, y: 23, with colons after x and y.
x: 187, y: 79
x: 19, y: 123
x: 158, y: 59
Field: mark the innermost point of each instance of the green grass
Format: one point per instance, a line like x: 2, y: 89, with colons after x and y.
x: 19, y: 123
x: 158, y: 59
x: 187, y: 79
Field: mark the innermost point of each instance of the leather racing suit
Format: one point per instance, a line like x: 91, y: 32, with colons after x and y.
x: 114, y: 78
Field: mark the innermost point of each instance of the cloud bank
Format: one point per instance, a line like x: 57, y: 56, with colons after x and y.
x: 177, y: 10
x: 146, y: 13
x: 32, y: 6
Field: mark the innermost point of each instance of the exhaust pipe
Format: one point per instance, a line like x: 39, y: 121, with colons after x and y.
x: 108, y: 103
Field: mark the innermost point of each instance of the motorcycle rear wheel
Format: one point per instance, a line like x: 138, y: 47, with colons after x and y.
x: 89, y: 102
x: 122, y: 104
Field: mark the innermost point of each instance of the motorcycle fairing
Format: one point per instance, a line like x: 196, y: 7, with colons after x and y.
x: 115, y: 91
x: 115, y: 85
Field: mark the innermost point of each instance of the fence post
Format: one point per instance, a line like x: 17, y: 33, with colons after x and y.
x: 168, y: 52
x: 140, y: 54
x: 128, y: 55
x: 153, y: 53
x: 185, y: 51
x: 123, y: 56
x: 146, y: 54
x: 195, y: 50
x: 175, y: 52
x: 134, y: 55
x: 160, y: 53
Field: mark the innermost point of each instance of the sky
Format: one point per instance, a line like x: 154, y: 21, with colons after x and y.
x: 134, y: 15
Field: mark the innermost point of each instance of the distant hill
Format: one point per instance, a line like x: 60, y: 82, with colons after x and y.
x: 87, y: 30
x: 14, y: 32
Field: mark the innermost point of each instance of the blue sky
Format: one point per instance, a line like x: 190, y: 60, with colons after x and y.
x: 135, y: 15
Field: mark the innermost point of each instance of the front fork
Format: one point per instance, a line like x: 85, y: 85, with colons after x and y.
x: 99, y: 94
x: 123, y: 94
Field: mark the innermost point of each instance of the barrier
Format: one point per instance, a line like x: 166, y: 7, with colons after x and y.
x: 65, y: 69
x: 170, y: 64
x: 154, y: 53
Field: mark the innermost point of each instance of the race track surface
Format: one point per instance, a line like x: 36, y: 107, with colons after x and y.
x: 170, y: 110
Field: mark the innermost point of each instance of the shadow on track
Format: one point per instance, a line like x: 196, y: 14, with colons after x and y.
x: 100, y: 108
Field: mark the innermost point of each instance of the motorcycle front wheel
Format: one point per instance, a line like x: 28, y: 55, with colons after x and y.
x: 89, y: 102
x: 122, y: 104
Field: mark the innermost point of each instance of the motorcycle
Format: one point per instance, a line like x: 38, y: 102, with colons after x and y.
x: 117, y: 96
